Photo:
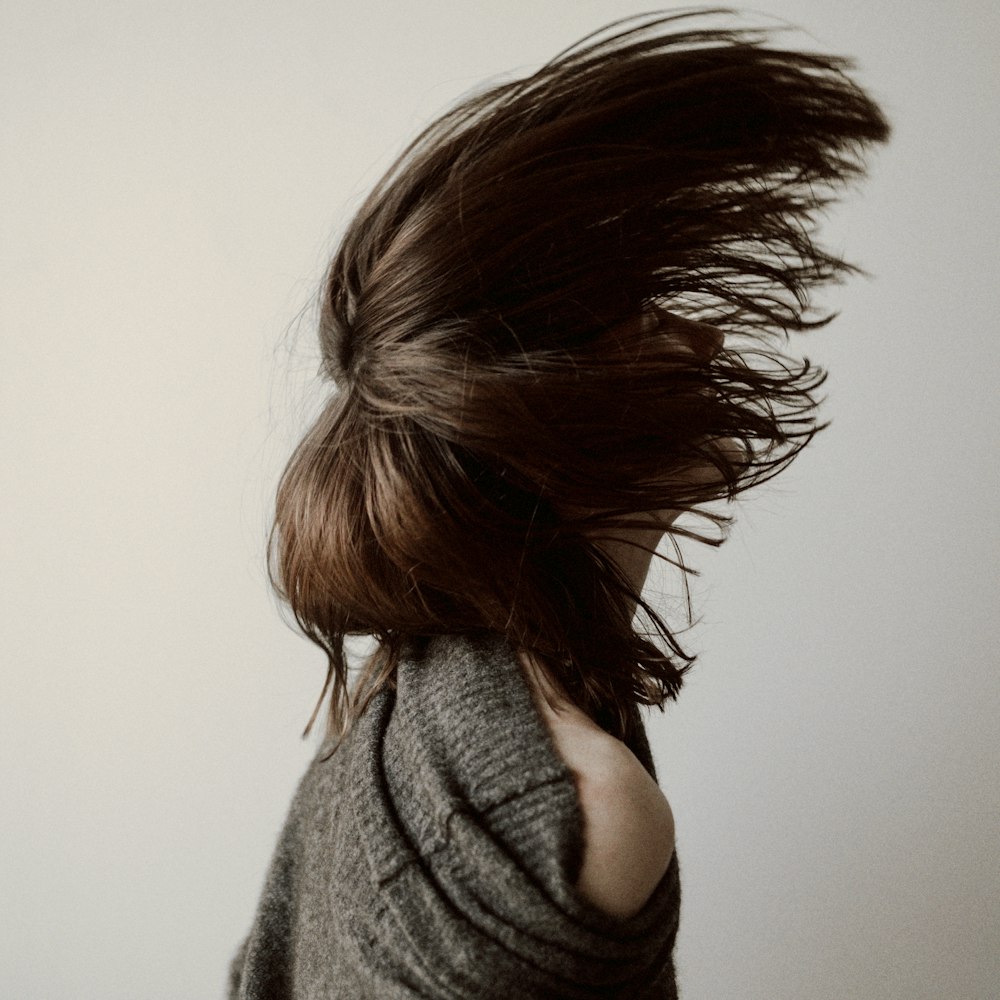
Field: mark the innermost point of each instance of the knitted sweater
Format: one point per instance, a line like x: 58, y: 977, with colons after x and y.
x: 435, y: 855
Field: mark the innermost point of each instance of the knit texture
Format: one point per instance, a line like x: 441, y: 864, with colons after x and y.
x: 435, y: 855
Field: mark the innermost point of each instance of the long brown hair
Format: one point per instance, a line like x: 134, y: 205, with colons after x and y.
x: 501, y: 400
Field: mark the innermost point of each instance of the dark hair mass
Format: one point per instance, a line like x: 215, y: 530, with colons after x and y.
x: 518, y: 323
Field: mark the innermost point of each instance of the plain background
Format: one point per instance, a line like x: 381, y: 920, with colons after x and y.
x: 173, y: 178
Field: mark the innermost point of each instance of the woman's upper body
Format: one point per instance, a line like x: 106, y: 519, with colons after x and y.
x: 557, y: 318
x: 460, y: 843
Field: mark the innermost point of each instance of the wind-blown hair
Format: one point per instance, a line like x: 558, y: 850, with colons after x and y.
x: 519, y: 325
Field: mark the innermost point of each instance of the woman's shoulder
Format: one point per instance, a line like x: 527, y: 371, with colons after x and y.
x: 628, y: 829
x: 628, y: 826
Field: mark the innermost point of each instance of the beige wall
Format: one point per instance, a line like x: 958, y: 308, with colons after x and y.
x: 172, y: 178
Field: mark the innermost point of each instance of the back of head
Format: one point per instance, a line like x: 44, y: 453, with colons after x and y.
x: 511, y: 324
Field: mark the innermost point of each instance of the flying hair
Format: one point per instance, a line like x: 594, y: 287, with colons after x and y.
x: 564, y: 296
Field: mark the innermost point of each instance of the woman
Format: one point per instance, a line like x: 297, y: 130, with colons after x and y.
x: 554, y: 327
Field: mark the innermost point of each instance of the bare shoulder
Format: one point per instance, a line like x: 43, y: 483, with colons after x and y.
x: 628, y: 831
x: 628, y: 826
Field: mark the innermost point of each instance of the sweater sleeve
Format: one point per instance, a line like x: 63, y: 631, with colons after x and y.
x: 490, y: 914
x: 478, y: 886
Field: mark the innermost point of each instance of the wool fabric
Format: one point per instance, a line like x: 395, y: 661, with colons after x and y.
x: 435, y: 855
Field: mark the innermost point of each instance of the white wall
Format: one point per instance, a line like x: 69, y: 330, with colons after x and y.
x: 173, y: 174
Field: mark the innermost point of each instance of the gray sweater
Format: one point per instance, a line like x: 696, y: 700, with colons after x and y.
x: 435, y: 854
